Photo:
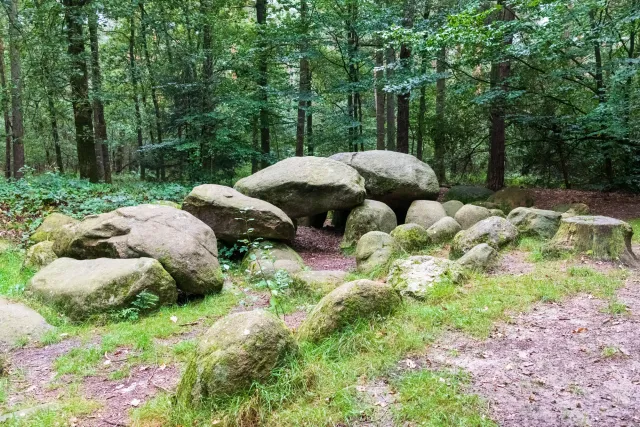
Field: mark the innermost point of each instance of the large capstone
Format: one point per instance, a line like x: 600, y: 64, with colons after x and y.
x: 469, y: 215
x: 468, y: 193
x: 374, y: 251
x: 425, y: 213
x: 184, y: 245
x: 370, y: 216
x: 535, y: 222
x: 495, y: 231
x: 83, y: 288
x: 19, y: 322
x: 346, y: 305
x: 417, y: 275
x: 51, y: 227
x: 237, y: 351
x: 233, y: 216
x: 306, y: 186
x: 266, y: 259
x: 396, y: 179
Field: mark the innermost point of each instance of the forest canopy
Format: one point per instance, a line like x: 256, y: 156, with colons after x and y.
x: 523, y: 92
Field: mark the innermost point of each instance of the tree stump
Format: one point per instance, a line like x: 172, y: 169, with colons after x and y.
x: 600, y: 237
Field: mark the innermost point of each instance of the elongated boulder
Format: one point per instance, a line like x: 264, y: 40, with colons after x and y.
x: 495, y: 231
x: 510, y: 198
x: 265, y: 260
x: 237, y: 351
x: 469, y: 215
x: 417, y: 275
x: 185, y: 246
x: 374, y: 250
x: 411, y: 237
x: 51, y: 227
x: 39, y: 255
x: 599, y: 236
x: 346, y: 305
x: 425, y: 213
x: 535, y: 222
x: 443, y: 231
x: 468, y: 193
x: 306, y: 186
x: 17, y: 321
x: 83, y: 288
x: 452, y: 207
x: 320, y: 282
x: 479, y: 258
x: 231, y: 214
x: 395, y: 179
x: 369, y: 216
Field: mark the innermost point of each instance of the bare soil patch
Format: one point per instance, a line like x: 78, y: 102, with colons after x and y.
x: 514, y: 263
x: 559, y: 365
x: 320, y: 249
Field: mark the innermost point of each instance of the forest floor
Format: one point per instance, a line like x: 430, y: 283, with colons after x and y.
x: 536, y: 342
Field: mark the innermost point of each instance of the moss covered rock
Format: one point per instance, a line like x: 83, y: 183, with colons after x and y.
x: 346, y: 305
x: 411, y: 237
x: 232, y: 215
x: 598, y: 236
x: 417, y: 275
x: 167, y: 203
x: 370, y: 216
x: 495, y: 231
x: 479, y: 258
x: 81, y: 289
x: 443, y: 230
x: 535, y: 222
x: 320, y: 282
x: 452, y: 207
x: 468, y: 193
x: 497, y: 212
x: 425, y: 213
x: 17, y: 321
x: 51, y: 226
x: 469, y: 215
x: 237, y: 351
x: 510, y: 198
x: 39, y: 255
x: 270, y: 257
x: 306, y: 186
x: 185, y: 246
x: 374, y: 250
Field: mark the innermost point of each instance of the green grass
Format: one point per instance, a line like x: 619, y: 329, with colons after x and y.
x: 635, y: 223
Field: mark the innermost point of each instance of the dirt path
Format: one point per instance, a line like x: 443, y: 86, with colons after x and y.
x: 320, y: 249
x: 559, y: 365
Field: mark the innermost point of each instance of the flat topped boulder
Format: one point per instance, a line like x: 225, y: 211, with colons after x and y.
x: 17, y: 322
x: 535, y: 222
x: 51, y: 227
x: 306, y: 186
x: 396, y: 179
x: 495, y: 231
x: 231, y: 214
x: 600, y: 236
x: 184, y: 245
x: 417, y: 275
x: 83, y: 288
x: 369, y: 216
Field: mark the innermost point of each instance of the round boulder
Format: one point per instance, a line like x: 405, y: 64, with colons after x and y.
x: 17, y: 321
x: 535, y: 222
x: 39, y: 255
x: 184, y: 245
x: 443, y: 230
x: 306, y: 186
x: 411, y: 237
x: 370, y: 216
x: 374, y: 250
x: 468, y: 193
x: 452, y: 207
x: 347, y: 304
x: 469, y: 215
x: 233, y: 216
x: 425, y: 213
x: 265, y: 260
x: 51, y: 227
x: 237, y: 351
x: 479, y: 258
x: 81, y: 289
x: 416, y: 275
x: 494, y: 231
x: 320, y: 282
x: 396, y: 179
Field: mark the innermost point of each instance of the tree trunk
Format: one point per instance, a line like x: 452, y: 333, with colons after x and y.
x: 304, y: 88
x: 500, y: 72
x: 391, y: 102
x: 79, y: 83
x: 100, y: 125
x: 207, y: 76
x: 5, y: 110
x: 136, y: 100
x: 262, y: 82
x: 380, y: 99
x: 439, y: 140
x: 310, y: 148
x: 16, y: 91
x: 404, y: 99
x: 154, y: 94
x: 54, y: 132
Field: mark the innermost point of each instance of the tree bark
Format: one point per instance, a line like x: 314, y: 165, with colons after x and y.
x: 380, y: 99
x: 262, y: 82
x: 17, y: 125
x: 54, y: 132
x: 133, y: 75
x: 439, y: 140
x: 207, y: 76
x: 304, y: 88
x: 310, y: 147
x: 79, y: 83
x: 391, y: 102
x: 100, y: 125
x: 404, y: 99
x: 6, y: 112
